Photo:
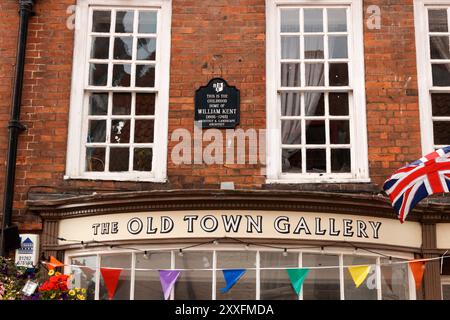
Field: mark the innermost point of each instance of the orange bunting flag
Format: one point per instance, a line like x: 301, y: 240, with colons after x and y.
x: 54, y: 263
x: 417, y: 268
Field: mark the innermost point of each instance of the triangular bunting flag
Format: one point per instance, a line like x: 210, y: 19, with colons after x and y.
x: 359, y: 274
x: 54, y: 263
x: 168, y: 279
x: 111, y: 278
x: 417, y: 268
x: 297, y: 277
x: 231, y: 276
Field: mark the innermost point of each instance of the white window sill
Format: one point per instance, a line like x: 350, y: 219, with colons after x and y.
x: 317, y: 180
x: 129, y: 178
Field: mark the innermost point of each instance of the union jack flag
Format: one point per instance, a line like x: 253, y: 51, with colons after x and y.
x: 417, y: 180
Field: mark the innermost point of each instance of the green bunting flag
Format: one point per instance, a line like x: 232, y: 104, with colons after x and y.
x: 297, y: 277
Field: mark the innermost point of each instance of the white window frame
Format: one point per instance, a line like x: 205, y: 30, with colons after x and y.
x: 173, y: 249
x: 358, y: 127
x: 75, y: 163
x: 424, y: 77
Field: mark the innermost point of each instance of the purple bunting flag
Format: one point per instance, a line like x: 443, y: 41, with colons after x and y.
x: 168, y: 279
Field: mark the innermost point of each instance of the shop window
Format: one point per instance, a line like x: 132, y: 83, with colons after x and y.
x: 321, y: 284
x: 195, y: 284
x: 147, y: 280
x: 123, y: 285
x: 84, y: 276
x: 274, y: 283
x: 368, y: 289
x: 265, y: 277
x: 245, y: 289
x: 120, y: 92
x: 394, y: 281
x: 446, y: 291
x: 316, y: 76
x: 433, y: 34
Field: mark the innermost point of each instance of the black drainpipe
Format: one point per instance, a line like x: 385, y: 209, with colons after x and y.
x: 14, y: 126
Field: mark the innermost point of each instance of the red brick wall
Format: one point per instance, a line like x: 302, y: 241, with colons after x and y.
x: 391, y: 90
x: 209, y: 38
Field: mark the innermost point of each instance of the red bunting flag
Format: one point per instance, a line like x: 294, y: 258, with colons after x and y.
x: 111, y: 278
x: 417, y: 268
x: 54, y: 263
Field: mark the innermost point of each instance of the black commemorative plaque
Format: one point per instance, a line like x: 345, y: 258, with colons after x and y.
x: 217, y: 105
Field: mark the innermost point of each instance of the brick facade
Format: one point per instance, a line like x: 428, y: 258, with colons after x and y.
x: 209, y: 38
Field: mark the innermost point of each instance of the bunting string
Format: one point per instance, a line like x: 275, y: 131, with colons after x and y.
x: 260, y: 268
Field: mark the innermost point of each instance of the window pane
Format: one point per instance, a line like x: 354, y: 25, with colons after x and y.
x: 314, y: 104
x: 337, y: 20
x: 145, y: 104
x: 124, y: 21
x: 142, y: 160
x: 290, y: 20
x: 338, y: 104
x: 147, y: 284
x: 313, y: 47
x: 337, y: 47
x: 120, y: 131
x: 123, y: 48
x: 439, y: 47
x: 314, y: 74
x: 340, y: 160
x: 118, y: 159
x: 95, y: 159
x: 121, y: 104
x: 121, y: 75
x: 123, y: 286
x: 101, y: 21
x: 367, y: 290
x: 291, y: 131
x: 440, y: 103
x: 313, y: 20
x: 194, y: 285
x: 290, y: 47
x: 437, y: 20
x: 145, y: 76
x: 275, y: 284
x: 147, y: 22
x: 441, y: 74
x: 100, y: 48
x: 316, y: 160
x: 290, y: 104
x: 290, y: 74
x: 394, y: 281
x: 315, y: 132
x: 84, y: 276
x: 96, y: 131
x: 98, y: 104
x: 291, y: 161
x: 245, y: 288
x: 321, y: 284
x: 98, y: 74
x: 446, y: 292
x: 441, y: 132
x: 143, y: 131
x: 146, y: 49
x: 338, y: 74
x: 339, y: 132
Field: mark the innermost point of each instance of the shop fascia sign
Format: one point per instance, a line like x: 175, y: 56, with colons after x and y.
x: 240, y: 223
